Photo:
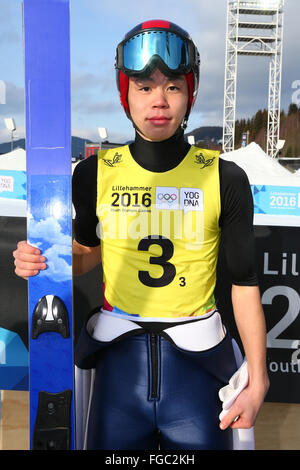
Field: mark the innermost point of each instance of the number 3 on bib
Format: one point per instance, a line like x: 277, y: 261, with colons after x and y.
x: 169, y: 270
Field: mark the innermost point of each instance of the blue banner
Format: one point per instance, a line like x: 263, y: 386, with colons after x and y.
x: 13, y: 361
x: 13, y: 184
x: 276, y: 200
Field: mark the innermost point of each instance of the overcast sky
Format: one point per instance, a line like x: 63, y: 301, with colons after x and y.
x: 96, y: 28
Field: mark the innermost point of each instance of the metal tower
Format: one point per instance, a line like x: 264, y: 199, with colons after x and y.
x: 254, y: 28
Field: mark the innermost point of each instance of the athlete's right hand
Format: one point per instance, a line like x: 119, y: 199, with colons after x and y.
x: 28, y: 260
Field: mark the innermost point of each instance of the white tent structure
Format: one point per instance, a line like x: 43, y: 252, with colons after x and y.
x: 297, y: 173
x: 15, y: 160
x: 257, y: 164
x: 275, y: 189
x: 13, y: 184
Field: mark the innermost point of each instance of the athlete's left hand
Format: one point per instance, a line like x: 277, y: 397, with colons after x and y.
x: 246, y: 407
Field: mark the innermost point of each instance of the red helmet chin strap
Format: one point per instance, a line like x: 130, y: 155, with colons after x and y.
x: 124, y: 85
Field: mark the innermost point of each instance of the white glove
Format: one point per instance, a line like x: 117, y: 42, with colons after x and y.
x: 229, y: 393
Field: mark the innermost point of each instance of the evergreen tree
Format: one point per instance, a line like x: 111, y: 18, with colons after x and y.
x: 289, y: 152
x: 293, y: 108
x: 265, y: 119
x: 258, y: 121
x: 238, y: 133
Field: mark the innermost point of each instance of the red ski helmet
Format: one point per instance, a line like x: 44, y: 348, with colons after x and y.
x: 161, y: 44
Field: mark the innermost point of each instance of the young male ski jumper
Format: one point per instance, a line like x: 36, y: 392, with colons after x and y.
x: 152, y: 213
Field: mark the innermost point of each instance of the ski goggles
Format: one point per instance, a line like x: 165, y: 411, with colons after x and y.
x: 139, y: 54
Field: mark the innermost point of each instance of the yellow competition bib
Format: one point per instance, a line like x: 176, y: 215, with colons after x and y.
x: 159, y: 234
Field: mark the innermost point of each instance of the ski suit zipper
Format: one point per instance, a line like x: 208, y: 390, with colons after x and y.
x: 154, y: 365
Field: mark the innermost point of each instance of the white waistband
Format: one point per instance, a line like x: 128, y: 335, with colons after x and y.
x: 196, y: 335
x: 104, y: 327
x: 155, y: 319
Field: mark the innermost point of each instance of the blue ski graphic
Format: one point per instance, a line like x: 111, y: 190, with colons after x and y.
x: 48, y: 155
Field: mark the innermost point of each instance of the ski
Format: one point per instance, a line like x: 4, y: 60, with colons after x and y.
x: 46, y: 33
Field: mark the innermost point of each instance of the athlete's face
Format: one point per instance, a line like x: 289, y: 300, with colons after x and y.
x: 158, y: 104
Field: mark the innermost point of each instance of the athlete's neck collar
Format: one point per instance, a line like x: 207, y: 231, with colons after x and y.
x: 160, y: 156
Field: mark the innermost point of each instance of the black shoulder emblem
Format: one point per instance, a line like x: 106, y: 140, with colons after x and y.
x: 200, y: 159
x: 112, y: 162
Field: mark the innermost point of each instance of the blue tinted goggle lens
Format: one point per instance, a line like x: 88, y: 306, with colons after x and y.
x: 140, y: 49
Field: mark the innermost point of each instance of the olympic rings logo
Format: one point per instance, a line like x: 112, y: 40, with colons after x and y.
x: 165, y: 197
